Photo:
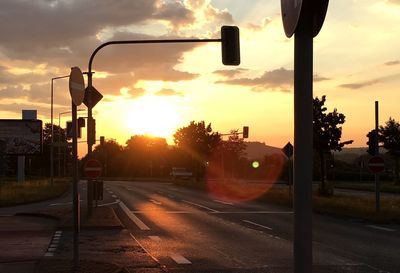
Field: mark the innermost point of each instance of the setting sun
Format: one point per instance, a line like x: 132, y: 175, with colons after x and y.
x: 154, y: 116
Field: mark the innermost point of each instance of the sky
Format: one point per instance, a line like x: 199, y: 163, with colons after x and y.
x: 155, y: 89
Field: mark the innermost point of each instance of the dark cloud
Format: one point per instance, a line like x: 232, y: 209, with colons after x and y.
x: 279, y: 79
x: 168, y: 92
x: 176, y: 13
x: 390, y: 63
x: 229, y: 73
x: 318, y: 78
x: 359, y: 85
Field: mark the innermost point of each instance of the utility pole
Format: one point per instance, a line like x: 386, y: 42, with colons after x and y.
x: 377, y: 182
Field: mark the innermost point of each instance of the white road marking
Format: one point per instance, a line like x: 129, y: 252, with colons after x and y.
x: 145, y: 250
x: 223, y: 202
x: 155, y: 238
x: 113, y: 196
x: 109, y: 204
x: 200, y: 206
x: 60, y: 204
x: 253, y: 212
x: 49, y: 254
x: 155, y: 202
x: 179, y: 259
x: 58, y: 232
x: 133, y: 217
x: 381, y: 228
x: 111, y: 192
x: 258, y: 225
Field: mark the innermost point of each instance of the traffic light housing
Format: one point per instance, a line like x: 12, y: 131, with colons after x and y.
x: 101, y: 140
x: 230, y: 45
x: 371, y: 142
x: 92, y: 133
x: 245, y: 131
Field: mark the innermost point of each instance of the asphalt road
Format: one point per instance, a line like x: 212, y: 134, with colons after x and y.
x: 191, y: 231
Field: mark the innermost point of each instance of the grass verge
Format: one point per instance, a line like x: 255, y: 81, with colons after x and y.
x: 360, y: 207
x: 388, y: 187
x: 13, y: 193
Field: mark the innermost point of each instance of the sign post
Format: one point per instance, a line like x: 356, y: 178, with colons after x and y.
x: 77, y: 91
x: 304, y: 18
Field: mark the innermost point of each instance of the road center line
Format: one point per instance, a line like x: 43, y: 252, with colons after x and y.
x: 179, y: 259
x: 381, y: 228
x: 155, y: 238
x: 155, y: 202
x: 223, y: 202
x: 258, y: 225
x: 113, y: 196
x: 133, y: 217
x: 201, y: 206
x: 109, y: 204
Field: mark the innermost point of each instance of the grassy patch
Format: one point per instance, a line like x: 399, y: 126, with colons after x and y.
x: 13, y: 193
x: 388, y: 187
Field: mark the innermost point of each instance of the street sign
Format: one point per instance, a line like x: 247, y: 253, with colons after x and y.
x: 96, y: 96
x: 76, y: 85
x: 92, y: 168
x: 288, y: 150
x: 376, y: 164
x: 290, y: 15
x: 291, y: 10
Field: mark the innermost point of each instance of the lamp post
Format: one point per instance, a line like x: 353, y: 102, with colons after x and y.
x: 59, y: 138
x: 230, y: 56
x: 52, y: 128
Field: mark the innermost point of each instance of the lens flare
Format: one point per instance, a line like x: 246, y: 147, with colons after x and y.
x: 229, y: 182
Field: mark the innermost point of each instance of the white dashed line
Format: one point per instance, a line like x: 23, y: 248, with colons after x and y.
x: 381, y: 228
x: 179, y: 259
x: 109, y: 204
x: 258, y: 225
x: 200, y: 206
x: 113, y: 196
x: 155, y: 202
x: 223, y: 202
x: 133, y: 217
x: 49, y: 254
x: 155, y: 238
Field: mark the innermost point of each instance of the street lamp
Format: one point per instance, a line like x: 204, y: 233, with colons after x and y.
x: 59, y: 138
x: 52, y: 128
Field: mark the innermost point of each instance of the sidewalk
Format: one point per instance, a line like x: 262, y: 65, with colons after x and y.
x: 104, y: 246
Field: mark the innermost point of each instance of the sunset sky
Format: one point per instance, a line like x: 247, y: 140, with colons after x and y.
x: 157, y: 89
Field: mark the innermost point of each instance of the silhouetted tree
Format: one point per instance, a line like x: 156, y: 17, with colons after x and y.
x: 199, y: 141
x: 110, y: 155
x: 327, y: 133
x: 389, y: 135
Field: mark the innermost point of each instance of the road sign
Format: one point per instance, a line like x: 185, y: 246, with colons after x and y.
x: 290, y: 15
x: 96, y: 96
x: 291, y: 10
x: 76, y: 85
x: 288, y: 149
x: 92, y: 168
x: 376, y: 164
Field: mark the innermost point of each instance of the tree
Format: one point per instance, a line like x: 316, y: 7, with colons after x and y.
x: 327, y: 133
x: 110, y: 155
x: 389, y: 135
x: 198, y: 141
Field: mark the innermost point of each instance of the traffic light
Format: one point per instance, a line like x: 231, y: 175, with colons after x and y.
x: 92, y: 134
x: 371, y: 142
x: 245, y: 131
x: 101, y: 140
x: 230, y: 45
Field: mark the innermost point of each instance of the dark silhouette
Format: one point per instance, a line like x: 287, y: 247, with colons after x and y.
x: 389, y: 135
x: 326, y: 138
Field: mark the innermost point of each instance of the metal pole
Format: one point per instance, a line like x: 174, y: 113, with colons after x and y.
x: 303, y: 143
x: 377, y: 182
x: 52, y: 138
x: 89, y: 189
x: 75, y: 200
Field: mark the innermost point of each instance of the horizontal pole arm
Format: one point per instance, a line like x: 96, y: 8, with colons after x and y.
x: 169, y: 41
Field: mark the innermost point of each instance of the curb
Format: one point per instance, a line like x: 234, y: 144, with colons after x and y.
x: 37, y: 214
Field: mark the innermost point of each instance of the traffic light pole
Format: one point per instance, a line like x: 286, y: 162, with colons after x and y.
x: 303, y: 142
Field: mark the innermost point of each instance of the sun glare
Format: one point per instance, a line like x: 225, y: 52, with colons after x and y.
x: 154, y: 116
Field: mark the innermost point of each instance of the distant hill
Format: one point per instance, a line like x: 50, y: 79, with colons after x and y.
x: 257, y: 150
x: 351, y: 154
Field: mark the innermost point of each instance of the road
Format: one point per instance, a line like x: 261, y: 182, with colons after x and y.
x: 191, y: 231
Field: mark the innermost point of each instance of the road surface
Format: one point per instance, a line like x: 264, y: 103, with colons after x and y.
x: 192, y: 231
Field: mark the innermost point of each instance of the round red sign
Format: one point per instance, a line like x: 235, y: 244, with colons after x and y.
x: 92, y: 168
x: 376, y: 164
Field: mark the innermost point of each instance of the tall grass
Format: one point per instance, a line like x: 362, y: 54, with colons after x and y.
x: 14, y: 193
